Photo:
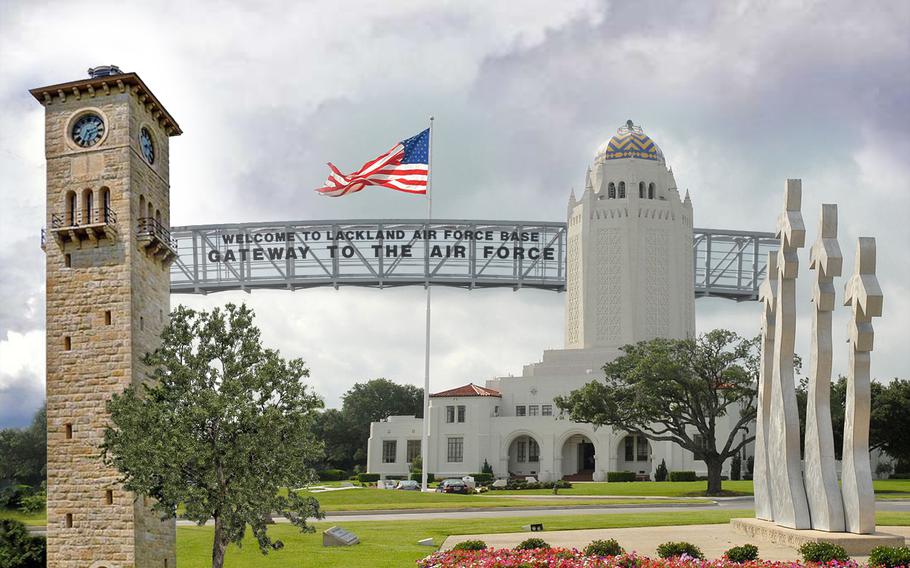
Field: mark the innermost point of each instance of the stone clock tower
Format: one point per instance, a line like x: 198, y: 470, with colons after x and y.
x: 108, y: 256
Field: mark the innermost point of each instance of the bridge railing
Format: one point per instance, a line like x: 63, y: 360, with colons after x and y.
x: 379, y: 253
x: 459, y: 253
x: 730, y: 264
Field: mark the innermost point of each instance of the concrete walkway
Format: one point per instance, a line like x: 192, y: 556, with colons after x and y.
x: 712, y: 539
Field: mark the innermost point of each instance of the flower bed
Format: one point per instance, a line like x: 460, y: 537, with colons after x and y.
x: 566, y: 558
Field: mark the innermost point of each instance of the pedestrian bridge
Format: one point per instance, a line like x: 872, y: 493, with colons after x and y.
x: 447, y: 252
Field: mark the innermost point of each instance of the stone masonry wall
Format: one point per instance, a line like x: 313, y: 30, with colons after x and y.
x: 92, y: 522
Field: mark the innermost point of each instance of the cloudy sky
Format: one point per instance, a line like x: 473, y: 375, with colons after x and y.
x: 739, y: 95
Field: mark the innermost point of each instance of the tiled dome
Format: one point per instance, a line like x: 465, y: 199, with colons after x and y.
x: 630, y: 142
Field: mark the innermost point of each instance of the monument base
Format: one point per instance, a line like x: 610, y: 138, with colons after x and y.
x: 854, y: 544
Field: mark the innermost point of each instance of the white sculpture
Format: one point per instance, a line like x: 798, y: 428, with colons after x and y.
x: 760, y: 474
x: 790, y: 506
x: 822, y: 490
x: 865, y: 296
x: 781, y: 493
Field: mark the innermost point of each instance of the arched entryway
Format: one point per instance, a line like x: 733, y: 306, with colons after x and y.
x: 578, y: 458
x: 524, y: 456
x: 634, y: 454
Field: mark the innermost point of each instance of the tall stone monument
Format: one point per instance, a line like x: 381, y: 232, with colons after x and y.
x: 108, y: 293
x: 791, y: 506
x: 787, y: 490
x: 825, y: 503
x: 864, y: 295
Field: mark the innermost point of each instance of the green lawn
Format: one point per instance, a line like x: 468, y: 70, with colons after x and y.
x: 387, y: 544
x: 33, y: 519
x: 386, y: 499
x: 892, y: 488
x: 884, y: 489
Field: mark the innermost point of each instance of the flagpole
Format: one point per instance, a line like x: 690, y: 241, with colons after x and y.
x: 425, y: 446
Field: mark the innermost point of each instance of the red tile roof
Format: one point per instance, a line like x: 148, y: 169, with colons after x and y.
x: 469, y: 389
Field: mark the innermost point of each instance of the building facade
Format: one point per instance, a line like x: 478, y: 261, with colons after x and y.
x: 108, y: 297
x: 629, y: 279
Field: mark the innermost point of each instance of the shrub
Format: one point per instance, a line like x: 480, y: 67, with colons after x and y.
x: 899, y: 476
x: 519, y: 484
x: 682, y: 476
x: 34, y: 503
x: 470, y: 545
x: 532, y: 544
x: 889, y: 556
x: 11, y: 496
x: 331, y: 475
x: 20, y: 549
x: 486, y: 467
x: 354, y: 477
x: 744, y: 553
x: 482, y: 478
x: 661, y: 473
x: 620, y: 476
x: 418, y: 477
x: 604, y: 548
x: 823, y: 552
x: 367, y: 477
x: 673, y: 549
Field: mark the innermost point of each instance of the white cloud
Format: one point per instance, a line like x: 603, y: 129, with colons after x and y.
x: 739, y: 95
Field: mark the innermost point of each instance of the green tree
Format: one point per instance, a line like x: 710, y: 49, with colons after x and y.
x: 675, y: 390
x: 889, y: 423
x: 333, y: 429
x: 222, y: 426
x: 890, y: 428
x: 346, y: 432
x: 23, y: 452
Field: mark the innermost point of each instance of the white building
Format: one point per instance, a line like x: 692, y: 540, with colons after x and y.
x: 629, y: 264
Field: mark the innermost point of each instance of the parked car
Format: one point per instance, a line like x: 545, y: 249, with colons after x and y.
x: 453, y: 486
x: 388, y: 484
x: 408, y: 485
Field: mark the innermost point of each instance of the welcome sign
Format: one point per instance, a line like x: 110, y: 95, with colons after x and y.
x: 375, y: 253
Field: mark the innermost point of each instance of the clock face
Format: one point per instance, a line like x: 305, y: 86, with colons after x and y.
x: 147, y: 146
x: 87, y: 130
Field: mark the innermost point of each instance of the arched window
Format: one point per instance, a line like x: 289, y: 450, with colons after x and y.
x: 622, y: 190
x: 141, y: 206
x: 611, y: 191
x: 641, y: 190
x: 158, y: 216
x: 88, y: 206
x: 70, y: 208
x: 105, y: 204
x: 651, y: 190
x: 149, y: 214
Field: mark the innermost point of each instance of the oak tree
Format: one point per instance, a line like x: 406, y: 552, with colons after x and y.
x: 677, y: 390
x: 222, y: 426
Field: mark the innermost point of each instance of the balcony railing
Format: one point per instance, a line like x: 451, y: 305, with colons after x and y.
x: 156, y: 238
x: 84, y: 225
x: 103, y: 216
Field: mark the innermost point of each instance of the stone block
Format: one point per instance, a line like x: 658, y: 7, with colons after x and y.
x: 337, y: 536
x: 854, y: 544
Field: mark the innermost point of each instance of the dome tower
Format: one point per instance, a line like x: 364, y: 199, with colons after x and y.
x: 630, y: 258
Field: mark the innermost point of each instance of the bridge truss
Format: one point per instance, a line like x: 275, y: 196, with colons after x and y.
x: 448, y: 252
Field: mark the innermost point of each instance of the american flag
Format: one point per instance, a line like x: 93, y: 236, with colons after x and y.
x: 403, y: 168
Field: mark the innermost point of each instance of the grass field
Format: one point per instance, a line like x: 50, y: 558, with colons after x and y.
x: 884, y: 489
x: 31, y: 519
x: 382, y: 499
x: 387, y: 544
